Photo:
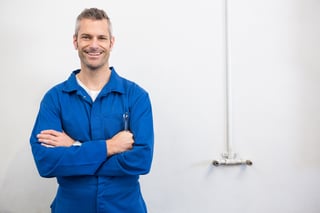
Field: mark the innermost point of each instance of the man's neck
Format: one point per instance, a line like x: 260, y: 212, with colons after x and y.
x: 95, y: 79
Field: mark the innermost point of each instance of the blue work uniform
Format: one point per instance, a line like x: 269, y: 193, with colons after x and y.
x: 89, y: 181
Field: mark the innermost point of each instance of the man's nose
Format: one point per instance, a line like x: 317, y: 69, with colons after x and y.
x: 94, y: 42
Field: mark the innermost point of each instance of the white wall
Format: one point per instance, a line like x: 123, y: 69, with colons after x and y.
x: 175, y: 50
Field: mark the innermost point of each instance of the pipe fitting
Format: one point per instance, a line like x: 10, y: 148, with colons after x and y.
x: 231, y: 162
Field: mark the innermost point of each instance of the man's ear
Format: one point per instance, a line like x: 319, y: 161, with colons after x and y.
x: 75, y: 42
x: 112, y: 40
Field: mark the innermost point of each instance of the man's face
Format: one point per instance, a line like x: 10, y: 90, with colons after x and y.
x: 93, y: 43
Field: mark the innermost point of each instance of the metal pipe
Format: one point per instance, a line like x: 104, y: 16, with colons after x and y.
x: 229, y: 157
x: 231, y: 162
x: 229, y: 154
x: 227, y: 81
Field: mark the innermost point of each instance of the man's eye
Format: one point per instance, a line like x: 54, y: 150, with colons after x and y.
x: 85, y: 37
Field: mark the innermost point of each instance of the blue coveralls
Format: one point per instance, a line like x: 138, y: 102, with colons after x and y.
x: 89, y: 182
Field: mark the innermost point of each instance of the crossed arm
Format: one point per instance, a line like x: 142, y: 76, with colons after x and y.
x: 121, y: 142
x: 116, y: 155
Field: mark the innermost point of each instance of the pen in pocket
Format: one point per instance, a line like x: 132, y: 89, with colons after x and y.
x: 126, y: 121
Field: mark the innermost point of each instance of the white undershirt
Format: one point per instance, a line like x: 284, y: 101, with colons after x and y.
x: 93, y: 93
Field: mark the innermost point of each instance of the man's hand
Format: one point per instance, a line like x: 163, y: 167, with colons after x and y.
x: 121, y: 142
x: 52, y: 138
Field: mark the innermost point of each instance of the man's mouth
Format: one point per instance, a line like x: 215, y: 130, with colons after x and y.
x: 95, y: 53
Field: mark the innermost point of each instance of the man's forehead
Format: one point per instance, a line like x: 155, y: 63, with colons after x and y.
x: 90, y: 25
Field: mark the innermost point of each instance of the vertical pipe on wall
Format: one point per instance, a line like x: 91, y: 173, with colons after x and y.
x: 227, y: 82
x: 229, y: 157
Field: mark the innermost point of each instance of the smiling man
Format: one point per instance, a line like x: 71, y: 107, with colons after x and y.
x: 94, y: 42
x: 94, y: 131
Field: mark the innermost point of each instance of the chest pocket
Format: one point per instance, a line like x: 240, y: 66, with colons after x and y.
x: 115, y: 114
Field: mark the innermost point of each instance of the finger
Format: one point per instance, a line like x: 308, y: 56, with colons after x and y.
x: 50, y: 132
x: 126, y: 133
x: 45, y: 136
x: 46, y: 141
x: 47, y: 145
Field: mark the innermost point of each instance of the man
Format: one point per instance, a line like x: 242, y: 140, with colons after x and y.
x: 94, y: 132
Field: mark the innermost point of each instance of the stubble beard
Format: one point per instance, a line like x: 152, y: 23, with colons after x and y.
x: 91, y: 66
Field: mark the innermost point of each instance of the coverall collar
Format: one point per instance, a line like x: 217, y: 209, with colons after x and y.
x: 115, y: 83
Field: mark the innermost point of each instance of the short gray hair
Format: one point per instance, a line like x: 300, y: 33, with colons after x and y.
x: 93, y: 14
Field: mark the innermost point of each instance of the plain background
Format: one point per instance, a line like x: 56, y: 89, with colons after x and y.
x: 176, y: 51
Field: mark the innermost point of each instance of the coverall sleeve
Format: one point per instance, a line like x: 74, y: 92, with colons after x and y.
x: 63, y: 161
x: 136, y: 161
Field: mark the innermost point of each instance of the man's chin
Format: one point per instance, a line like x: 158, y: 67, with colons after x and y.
x: 94, y: 67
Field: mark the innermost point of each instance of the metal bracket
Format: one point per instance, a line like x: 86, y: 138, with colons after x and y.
x: 230, y: 159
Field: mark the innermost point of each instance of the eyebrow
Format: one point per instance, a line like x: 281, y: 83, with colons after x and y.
x: 90, y: 35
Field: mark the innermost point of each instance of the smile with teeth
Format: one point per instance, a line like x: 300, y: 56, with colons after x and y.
x: 93, y: 53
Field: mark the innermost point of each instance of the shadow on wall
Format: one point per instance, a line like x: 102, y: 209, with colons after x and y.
x: 307, y: 55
